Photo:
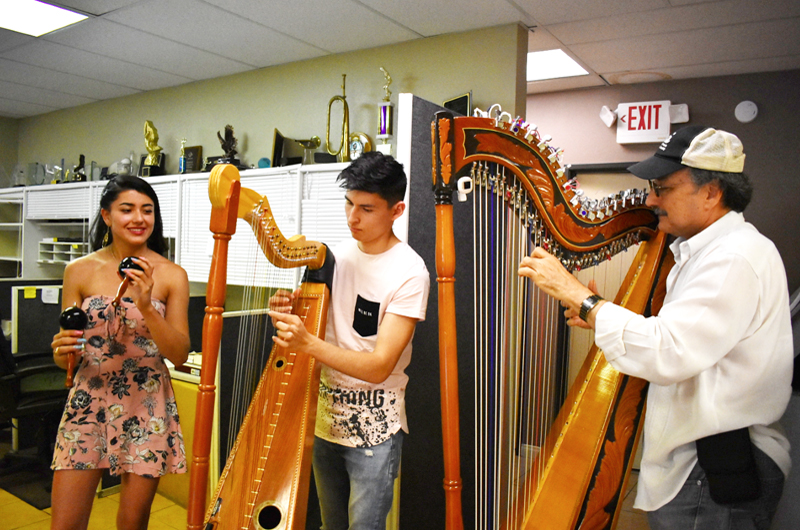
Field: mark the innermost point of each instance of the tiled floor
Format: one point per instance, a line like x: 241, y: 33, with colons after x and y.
x: 630, y: 519
x: 166, y: 515
x: 18, y: 515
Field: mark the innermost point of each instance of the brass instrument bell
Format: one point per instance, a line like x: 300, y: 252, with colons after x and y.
x: 343, y: 153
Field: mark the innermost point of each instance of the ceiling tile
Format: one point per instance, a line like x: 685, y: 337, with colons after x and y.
x: 333, y: 25
x: 556, y: 11
x: 128, y: 44
x: 437, y: 17
x: 69, y: 60
x: 776, y: 38
x: 19, y: 109
x: 95, y: 7
x: 774, y: 64
x: 35, y: 76
x: 234, y: 37
x: 11, y: 39
x: 50, y: 98
x: 673, y: 19
x: 565, y: 83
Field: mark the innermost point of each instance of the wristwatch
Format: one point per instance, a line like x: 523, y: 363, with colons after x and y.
x: 588, y: 304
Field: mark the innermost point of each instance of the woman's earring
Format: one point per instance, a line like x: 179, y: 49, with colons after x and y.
x: 105, y: 237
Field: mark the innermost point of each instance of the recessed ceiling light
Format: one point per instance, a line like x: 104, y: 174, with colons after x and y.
x: 552, y: 64
x: 35, y: 18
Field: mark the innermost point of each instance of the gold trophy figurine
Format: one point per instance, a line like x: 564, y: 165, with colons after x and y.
x: 153, y: 163
x: 385, y: 117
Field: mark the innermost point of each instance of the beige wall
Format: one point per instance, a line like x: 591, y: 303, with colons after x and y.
x: 9, y: 131
x: 293, y: 97
x: 770, y: 141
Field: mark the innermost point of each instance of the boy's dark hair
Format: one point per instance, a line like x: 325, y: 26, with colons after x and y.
x: 377, y: 173
x: 112, y: 190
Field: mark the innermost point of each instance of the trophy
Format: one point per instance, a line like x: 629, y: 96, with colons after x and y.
x: 385, y: 117
x: 79, y: 171
x: 182, y: 159
x: 153, y: 164
x: 228, y: 143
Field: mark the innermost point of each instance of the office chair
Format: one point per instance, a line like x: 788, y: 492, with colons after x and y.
x: 31, y: 386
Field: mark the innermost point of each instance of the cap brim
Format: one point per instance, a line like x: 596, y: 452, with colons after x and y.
x: 655, y: 167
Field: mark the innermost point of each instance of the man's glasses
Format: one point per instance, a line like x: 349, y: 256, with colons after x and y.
x: 657, y: 189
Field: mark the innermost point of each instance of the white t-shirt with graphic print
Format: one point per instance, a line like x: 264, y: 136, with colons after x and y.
x: 353, y: 412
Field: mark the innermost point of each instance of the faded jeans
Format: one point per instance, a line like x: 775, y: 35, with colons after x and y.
x: 693, y: 508
x: 356, y: 484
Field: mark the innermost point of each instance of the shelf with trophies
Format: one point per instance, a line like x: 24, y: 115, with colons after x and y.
x: 55, y: 219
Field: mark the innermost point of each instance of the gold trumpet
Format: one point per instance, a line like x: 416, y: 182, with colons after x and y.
x: 343, y: 153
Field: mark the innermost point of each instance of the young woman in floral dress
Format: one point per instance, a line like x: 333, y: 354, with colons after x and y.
x: 121, y: 413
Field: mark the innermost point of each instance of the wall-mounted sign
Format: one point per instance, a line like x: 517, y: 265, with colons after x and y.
x: 644, y: 122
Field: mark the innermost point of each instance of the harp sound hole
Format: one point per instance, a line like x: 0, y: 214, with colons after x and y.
x: 280, y: 363
x: 269, y: 517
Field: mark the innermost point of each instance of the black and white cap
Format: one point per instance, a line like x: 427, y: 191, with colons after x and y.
x: 695, y: 146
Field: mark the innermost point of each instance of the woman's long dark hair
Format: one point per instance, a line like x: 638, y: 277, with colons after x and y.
x: 112, y: 190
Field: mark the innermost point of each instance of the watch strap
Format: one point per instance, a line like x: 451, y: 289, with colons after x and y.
x: 588, y: 304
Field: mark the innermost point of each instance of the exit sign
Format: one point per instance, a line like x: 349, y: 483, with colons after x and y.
x: 645, y: 122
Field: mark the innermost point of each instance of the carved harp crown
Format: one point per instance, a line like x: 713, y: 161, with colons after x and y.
x: 572, y: 475
x: 264, y: 484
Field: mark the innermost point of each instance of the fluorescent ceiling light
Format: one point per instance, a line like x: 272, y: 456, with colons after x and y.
x: 35, y: 18
x: 552, y: 64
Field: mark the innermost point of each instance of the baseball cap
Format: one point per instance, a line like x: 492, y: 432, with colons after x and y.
x: 695, y: 146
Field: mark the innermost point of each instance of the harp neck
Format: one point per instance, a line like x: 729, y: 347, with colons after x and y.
x: 524, y: 172
x: 283, y: 252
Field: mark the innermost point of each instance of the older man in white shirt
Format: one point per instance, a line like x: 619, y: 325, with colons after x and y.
x: 718, y: 355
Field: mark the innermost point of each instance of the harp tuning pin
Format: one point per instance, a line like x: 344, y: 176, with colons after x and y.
x: 560, y: 172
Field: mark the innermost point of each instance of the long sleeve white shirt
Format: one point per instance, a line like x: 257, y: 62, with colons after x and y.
x: 718, y: 355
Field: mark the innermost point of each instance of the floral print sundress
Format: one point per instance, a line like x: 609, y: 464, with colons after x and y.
x: 121, y: 412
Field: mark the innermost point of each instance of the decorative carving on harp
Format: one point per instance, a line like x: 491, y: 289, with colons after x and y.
x: 264, y: 485
x: 536, y: 466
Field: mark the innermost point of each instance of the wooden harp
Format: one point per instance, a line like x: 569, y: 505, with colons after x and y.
x: 572, y: 475
x: 265, y: 482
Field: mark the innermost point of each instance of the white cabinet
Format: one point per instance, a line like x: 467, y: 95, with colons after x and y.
x: 11, y: 206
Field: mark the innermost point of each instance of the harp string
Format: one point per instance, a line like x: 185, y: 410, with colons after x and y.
x: 521, y: 372
x: 254, y: 339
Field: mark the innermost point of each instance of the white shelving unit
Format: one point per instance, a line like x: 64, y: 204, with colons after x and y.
x: 61, y: 252
x: 11, y: 207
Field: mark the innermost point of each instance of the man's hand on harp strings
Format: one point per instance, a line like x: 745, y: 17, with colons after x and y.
x: 554, y: 279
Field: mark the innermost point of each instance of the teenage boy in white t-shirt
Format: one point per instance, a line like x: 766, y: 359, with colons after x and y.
x: 380, y: 292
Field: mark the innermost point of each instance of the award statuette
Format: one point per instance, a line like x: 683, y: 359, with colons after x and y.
x: 153, y: 164
x: 385, y: 117
x: 182, y: 158
x: 228, y: 143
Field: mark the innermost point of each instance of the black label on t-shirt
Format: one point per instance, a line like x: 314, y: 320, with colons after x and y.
x: 365, y: 317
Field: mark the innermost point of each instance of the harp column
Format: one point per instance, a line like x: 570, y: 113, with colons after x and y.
x: 448, y: 355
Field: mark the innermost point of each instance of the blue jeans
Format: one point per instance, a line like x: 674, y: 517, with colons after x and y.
x: 693, y: 508
x: 355, y: 485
